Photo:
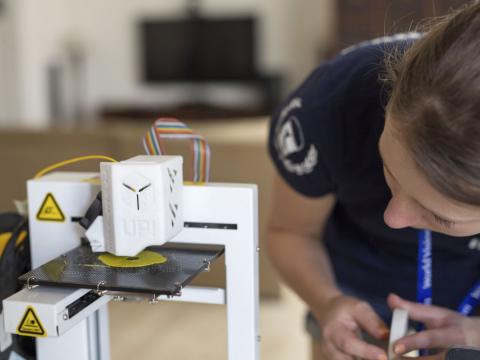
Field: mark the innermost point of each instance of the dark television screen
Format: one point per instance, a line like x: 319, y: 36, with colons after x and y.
x: 198, y: 49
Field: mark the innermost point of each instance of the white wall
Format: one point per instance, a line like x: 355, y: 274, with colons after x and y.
x: 312, y: 31
x: 291, y: 34
x: 8, y: 70
x: 41, y: 26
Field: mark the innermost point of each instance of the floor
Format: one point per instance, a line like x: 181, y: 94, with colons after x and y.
x: 179, y: 331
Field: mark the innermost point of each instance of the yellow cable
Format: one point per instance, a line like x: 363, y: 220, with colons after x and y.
x: 71, y: 161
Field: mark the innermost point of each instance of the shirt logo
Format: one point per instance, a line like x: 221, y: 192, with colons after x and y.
x: 290, y: 140
x: 290, y: 137
x: 474, y: 244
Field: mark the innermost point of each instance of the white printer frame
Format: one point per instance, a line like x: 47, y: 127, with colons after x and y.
x: 206, y: 208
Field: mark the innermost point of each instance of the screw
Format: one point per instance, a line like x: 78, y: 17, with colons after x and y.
x: 65, y: 317
x: 153, y: 300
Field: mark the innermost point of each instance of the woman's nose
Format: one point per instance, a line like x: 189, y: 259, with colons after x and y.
x: 399, y: 213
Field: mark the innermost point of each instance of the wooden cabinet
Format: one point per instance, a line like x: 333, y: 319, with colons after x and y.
x: 360, y: 20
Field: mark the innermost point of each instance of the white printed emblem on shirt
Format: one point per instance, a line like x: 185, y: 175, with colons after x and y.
x: 290, y: 139
x: 474, y: 244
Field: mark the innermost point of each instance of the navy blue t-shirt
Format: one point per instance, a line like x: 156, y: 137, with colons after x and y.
x: 324, y: 139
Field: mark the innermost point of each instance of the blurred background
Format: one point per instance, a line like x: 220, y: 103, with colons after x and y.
x: 89, y: 77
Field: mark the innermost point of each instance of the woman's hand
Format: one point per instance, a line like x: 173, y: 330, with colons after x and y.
x: 444, y: 328
x: 342, y: 319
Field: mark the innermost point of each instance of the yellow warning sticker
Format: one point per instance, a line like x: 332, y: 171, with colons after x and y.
x: 31, y: 325
x: 50, y: 210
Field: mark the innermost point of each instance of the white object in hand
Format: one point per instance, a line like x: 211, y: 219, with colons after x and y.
x: 398, y: 329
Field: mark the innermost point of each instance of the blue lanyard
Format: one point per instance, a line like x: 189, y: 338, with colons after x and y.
x: 424, y: 269
x: 424, y: 279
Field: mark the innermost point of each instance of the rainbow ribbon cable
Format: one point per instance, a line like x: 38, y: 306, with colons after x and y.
x: 168, y: 128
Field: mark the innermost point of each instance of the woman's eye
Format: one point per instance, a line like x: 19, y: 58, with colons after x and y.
x: 443, y: 222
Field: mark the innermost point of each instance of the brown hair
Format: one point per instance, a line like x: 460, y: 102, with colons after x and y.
x: 435, y: 103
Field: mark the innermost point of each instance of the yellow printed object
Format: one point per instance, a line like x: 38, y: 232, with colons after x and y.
x: 50, y: 210
x: 4, y: 237
x: 30, y: 324
x: 145, y: 258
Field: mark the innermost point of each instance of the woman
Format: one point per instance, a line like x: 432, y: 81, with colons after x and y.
x: 364, y: 165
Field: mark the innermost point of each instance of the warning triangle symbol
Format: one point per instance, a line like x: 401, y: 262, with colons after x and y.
x: 50, y: 210
x: 30, y: 324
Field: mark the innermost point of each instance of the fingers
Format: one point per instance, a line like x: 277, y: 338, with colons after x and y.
x: 430, y: 315
x: 350, y: 344
x: 330, y: 352
x: 369, y: 321
x: 429, y: 339
x: 346, y: 341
